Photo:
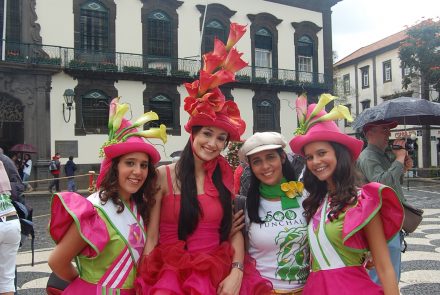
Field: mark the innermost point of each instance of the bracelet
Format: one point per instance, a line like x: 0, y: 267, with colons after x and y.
x: 238, y: 265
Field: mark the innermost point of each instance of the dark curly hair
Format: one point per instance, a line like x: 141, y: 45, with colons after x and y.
x: 143, y: 198
x: 346, y: 179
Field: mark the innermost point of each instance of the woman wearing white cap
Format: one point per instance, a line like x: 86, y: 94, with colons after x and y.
x: 276, y: 227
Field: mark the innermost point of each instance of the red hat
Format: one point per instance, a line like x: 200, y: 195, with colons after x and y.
x: 325, y: 130
x: 127, y: 139
x: 382, y: 123
x: 206, y: 103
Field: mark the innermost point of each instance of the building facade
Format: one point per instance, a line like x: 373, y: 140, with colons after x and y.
x: 371, y: 75
x: 143, y: 51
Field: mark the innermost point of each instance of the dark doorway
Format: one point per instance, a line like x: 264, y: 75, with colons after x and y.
x: 11, y: 122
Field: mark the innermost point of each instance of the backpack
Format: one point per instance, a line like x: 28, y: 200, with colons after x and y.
x: 27, y: 226
x: 53, y: 165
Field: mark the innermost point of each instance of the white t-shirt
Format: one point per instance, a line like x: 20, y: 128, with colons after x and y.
x: 279, y: 245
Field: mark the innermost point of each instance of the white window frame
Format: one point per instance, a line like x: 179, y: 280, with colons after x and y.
x: 387, y: 71
x: 263, y: 63
x: 305, y: 68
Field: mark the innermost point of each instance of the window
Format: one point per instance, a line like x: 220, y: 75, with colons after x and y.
x: 346, y: 81
x: 94, y: 27
x: 263, y: 53
x: 213, y: 29
x: 365, y: 77
x: 305, y: 58
x: 95, y: 106
x: 406, y: 71
x: 159, y: 35
x: 387, y: 71
x: 163, y: 106
x: 365, y: 104
x: 265, y: 116
x: 346, y: 123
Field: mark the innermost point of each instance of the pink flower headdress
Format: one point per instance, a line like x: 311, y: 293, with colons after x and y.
x: 315, y: 124
x: 124, y: 138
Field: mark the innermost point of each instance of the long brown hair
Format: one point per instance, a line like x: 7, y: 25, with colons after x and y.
x: 143, y: 198
x: 346, y: 180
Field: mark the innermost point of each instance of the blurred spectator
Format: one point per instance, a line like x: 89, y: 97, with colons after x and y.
x: 27, y: 169
x: 54, y: 168
x: 70, y: 169
x: 17, y: 187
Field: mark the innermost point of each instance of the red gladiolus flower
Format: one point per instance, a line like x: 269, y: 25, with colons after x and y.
x: 236, y: 31
x: 211, y: 62
x: 215, y: 98
x: 222, y: 77
x: 231, y: 110
x: 219, y: 48
x: 192, y: 88
x: 190, y: 104
x: 233, y: 61
x: 206, y: 80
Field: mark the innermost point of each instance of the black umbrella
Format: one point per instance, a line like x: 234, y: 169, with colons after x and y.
x: 404, y: 110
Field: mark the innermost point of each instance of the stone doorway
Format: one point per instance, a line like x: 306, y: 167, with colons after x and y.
x: 11, y: 122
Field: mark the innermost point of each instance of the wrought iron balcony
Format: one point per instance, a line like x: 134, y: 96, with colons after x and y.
x: 118, y: 62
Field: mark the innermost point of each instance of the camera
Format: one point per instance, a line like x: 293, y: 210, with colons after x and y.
x: 408, y: 146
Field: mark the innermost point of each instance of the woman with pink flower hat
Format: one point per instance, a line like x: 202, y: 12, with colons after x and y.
x: 195, y: 252
x: 105, y: 233
x: 345, y: 221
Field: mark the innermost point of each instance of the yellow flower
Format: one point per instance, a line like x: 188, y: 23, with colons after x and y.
x: 147, y: 117
x: 324, y: 99
x: 292, y: 188
x: 338, y: 112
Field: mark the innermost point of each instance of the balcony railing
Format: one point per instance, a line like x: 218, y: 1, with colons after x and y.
x: 70, y: 58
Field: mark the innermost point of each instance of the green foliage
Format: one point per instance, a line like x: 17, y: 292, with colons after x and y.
x: 420, y: 53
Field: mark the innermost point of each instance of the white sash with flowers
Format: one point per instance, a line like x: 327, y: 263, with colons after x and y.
x: 123, y: 224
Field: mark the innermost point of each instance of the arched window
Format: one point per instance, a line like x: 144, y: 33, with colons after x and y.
x: 95, y: 106
x: 213, y: 29
x: 265, y: 116
x: 305, y: 58
x: 163, y: 106
x: 159, y: 34
x: 263, y: 48
x: 94, y: 27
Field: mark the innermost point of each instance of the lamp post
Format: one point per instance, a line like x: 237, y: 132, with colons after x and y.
x: 69, y: 96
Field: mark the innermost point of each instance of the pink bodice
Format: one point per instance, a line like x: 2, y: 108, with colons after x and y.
x: 206, y: 236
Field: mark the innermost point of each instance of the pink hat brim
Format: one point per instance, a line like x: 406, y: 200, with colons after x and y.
x: 116, y: 150
x: 352, y: 144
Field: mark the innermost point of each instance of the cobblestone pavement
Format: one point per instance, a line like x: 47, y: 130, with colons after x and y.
x: 420, y: 263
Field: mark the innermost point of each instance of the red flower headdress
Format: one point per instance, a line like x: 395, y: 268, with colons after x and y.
x: 206, y: 104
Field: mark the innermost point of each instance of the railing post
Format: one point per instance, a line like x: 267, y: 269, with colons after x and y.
x: 92, y: 183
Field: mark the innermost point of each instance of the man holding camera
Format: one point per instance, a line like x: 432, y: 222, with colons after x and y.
x: 377, y: 166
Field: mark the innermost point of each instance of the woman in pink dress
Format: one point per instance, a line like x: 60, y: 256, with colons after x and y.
x: 191, y: 220
x: 345, y: 221
x: 105, y: 233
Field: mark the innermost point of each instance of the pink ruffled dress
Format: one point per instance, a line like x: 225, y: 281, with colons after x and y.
x: 198, y: 265
x: 338, y: 251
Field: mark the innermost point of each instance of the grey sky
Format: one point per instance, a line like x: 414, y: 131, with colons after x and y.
x: 357, y: 23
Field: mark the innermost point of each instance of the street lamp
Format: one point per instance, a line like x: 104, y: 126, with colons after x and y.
x: 69, y: 96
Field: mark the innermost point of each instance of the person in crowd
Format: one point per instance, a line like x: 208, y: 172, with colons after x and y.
x: 376, y: 165
x: 275, y: 225
x: 9, y: 235
x: 105, y: 233
x: 190, y: 249
x: 55, y: 168
x: 17, y: 186
x: 27, y: 169
x: 345, y: 221
x: 70, y: 169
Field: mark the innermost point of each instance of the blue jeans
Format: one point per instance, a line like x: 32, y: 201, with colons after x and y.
x: 394, y: 246
x: 71, y: 187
